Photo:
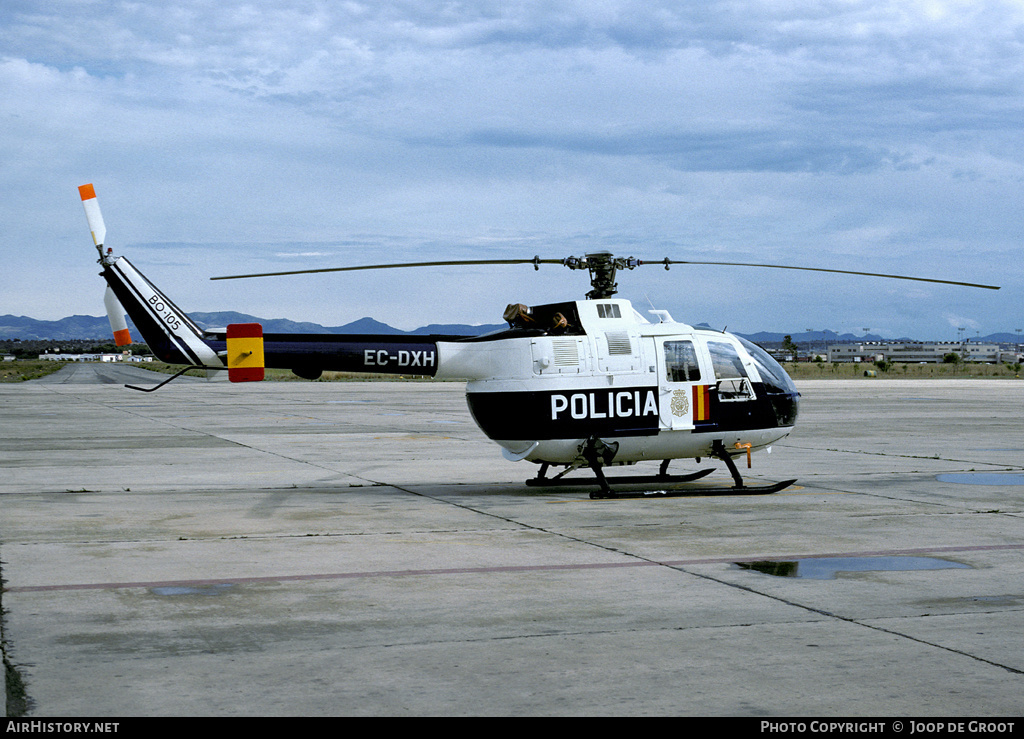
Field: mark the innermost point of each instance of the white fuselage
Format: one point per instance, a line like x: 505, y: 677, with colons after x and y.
x: 659, y: 390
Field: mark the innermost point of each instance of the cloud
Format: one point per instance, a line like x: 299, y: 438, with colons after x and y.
x: 857, y: 134
x: 961, y: 323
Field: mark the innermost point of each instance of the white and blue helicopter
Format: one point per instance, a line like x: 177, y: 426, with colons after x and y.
x: 576, y: 384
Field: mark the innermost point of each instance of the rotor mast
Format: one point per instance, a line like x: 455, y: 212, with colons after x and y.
x: 602, y: 266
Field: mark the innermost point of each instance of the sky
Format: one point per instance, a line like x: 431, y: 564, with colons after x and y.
x: 228, y: 137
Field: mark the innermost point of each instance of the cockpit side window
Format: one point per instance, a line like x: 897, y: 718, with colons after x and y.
x: 725, y: 360
x: 681, y: 362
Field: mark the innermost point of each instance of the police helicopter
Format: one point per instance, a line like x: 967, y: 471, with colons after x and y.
x: 575, y: 384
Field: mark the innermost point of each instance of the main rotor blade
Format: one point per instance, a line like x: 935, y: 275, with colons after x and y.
x: 533, y: 261
x: 538, y: 261
x: 823, y: 269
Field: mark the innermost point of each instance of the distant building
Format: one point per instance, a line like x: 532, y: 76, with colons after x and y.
x: 918, y: 351
x: 60, y: 357
x: 94, y: 358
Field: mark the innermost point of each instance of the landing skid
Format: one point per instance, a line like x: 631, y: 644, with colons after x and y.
x: 597, y: 455
x: 696, y: 492
x: 541, y: 481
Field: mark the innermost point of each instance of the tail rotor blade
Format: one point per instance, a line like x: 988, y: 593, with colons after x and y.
x: 115, y: 314
x: 93, y: 214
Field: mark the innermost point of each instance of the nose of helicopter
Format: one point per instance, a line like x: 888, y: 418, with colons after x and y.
x: 786, y: 405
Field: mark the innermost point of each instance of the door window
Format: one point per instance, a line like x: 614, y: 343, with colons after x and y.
x: 681, y: 362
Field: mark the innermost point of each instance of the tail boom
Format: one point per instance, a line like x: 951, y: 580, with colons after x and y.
x: 243, y: 349
x: 310, y: 355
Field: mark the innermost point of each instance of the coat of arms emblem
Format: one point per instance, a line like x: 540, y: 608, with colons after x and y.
x: 680, y: 403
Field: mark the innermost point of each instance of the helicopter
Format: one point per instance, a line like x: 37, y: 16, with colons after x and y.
x: 588, y: 383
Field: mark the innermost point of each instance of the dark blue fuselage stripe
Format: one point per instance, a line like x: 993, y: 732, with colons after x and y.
x: 634, y: 411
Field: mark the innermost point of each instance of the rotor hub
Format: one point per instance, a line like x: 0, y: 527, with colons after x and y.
x: 602, y: 266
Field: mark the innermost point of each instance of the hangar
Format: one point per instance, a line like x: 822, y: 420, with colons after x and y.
x: 919, y: 351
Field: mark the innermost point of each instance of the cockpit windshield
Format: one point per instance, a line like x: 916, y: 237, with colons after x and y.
x: 771, y: 371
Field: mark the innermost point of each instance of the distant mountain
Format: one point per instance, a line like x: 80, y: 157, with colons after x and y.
x: 1002, y: 338
x: 458, y: 329
x: 362, y: 326
x: 98, y: 328
x: 815, y: 337
x: 73, y: 327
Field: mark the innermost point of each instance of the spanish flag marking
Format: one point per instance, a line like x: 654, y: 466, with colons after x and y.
x: 245, y: 352
x: 701, y: 403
